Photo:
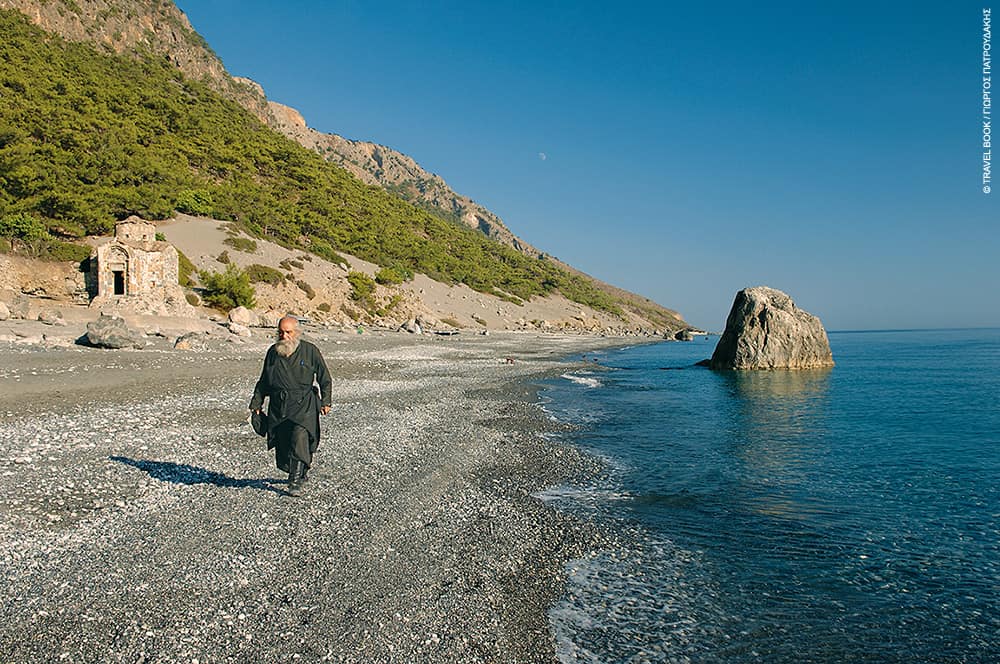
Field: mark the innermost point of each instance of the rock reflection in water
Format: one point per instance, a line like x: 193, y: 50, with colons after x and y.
x: 780, y: 436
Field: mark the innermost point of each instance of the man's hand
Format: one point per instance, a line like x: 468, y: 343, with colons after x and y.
x: 325, y: 410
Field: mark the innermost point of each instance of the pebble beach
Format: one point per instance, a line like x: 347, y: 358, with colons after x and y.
x: 144, y: 521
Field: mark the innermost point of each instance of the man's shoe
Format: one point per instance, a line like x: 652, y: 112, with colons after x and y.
x: 295, y: 478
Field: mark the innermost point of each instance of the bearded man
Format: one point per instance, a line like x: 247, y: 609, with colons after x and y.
x: 290, y: 368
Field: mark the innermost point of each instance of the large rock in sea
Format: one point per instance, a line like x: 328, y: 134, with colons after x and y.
x: 765, y: 330
x: 112, y: 332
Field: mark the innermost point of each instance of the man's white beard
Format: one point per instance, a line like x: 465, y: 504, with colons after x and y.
x: 285, y: 347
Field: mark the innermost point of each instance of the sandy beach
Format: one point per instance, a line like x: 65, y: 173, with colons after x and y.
x: 143, y: 520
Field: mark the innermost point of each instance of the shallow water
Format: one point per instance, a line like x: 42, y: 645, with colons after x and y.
x: 809, y: 516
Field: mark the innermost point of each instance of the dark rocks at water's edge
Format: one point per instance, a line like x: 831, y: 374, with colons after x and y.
x: 111, y: 332
x: 765, y: 330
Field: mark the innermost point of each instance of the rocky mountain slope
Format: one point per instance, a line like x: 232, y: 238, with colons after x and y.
x: 160, y: 28
x: 398, y: 173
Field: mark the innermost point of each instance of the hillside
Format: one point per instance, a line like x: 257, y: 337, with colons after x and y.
x: 89, y: 137
x: 160, y: 28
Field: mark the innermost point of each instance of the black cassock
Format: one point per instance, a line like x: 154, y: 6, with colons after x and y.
x: 293, y: 410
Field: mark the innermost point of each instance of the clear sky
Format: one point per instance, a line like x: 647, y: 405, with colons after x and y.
x: 679, y: 150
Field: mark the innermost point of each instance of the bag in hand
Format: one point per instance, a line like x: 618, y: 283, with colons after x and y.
x: 258, y: 420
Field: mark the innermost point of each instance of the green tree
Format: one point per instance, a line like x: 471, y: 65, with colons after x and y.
x: 195, y: 201
x: 228, y: 290
x: 21, y: 226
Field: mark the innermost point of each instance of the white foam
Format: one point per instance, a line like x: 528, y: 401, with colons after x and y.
x: 650, y: 601
x: 576, y: 494
x: 582, y: 380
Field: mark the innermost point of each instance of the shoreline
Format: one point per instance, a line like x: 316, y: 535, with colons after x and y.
x: 144, y: 519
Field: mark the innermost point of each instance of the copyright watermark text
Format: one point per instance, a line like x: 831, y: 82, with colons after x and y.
x: 987, y: 102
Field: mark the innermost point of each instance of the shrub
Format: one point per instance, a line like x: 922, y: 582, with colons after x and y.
x: 324, y: 307
x: 388, y: 276
x: 225, y: 259
x: 57, y: 250
x: 288, y: 264
x: 362, y: 286
x: 451, y: 322
x: 263, y: 274
x: 479, y: 320
x: 160, y: 237
x: 244, y: 244
x: 229, y: 289
x: 192, y: 299
x: 306, y: 288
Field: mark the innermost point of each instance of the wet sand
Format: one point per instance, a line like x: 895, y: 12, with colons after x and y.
x: 143, y: 520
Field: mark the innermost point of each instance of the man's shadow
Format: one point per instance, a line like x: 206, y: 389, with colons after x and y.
x: 182, y: 473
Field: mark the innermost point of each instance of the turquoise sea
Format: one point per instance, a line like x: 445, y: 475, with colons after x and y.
x: 844, y: 515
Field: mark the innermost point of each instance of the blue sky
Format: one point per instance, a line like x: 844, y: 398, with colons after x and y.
x: 679, y: 150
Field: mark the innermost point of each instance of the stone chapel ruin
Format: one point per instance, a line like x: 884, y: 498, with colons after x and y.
x: 134, y: 272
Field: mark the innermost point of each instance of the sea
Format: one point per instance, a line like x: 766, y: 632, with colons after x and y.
x: 842, y: 515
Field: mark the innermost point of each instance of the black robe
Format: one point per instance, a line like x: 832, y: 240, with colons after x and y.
x: 288, y: 381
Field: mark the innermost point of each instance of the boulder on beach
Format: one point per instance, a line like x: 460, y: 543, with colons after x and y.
x: 765, y: 330
x: 411, y: 326
x: 243, y: 316
x: 239, y: 330
x: 51, y: 317
x: 684, y: 335
x: 270, y: 318
x: 191, y: 341
x: 4, y: 311
x: 18, y: 304
x: 112, y: 332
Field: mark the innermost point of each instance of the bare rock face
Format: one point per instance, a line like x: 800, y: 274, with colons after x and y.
x: 765, y: 330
